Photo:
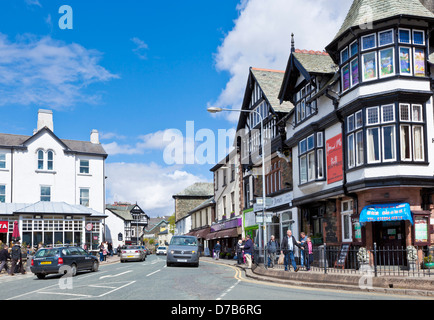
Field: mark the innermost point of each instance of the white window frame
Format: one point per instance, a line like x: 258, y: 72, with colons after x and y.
x: 347, y: 213
x: 368, y: 153
x: 410, y: 141
x: 382, y: 113
x: 369, y: 35
x: 410, y: 52
x: 422, y: 144
x: 388, y: 44
x: 367, y: 116
x: 2, y: 161
x: 3, y: 194
x: 412, y: 113
x: 409, y: 109
x: 424, y: 37
x: 393, y: 143
x: 40, y: 192
x: 379, y: 62
x: 410, y: 34
x: 376, y: 66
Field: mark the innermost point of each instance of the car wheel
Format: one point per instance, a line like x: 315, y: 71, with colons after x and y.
x: 95, y: 266
x: 73, y: 270
x: 40, y: 275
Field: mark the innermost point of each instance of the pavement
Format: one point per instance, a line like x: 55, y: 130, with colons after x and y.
x: 337, y: 281
x: 317, y: 279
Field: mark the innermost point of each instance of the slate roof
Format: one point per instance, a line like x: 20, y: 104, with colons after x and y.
x: 18, y: 141
x: 270, y: 82
x: 315, y: 61
x: 122, y: 211
x: 364, y: 11
x: 199, y: 189
x: 45, y: 207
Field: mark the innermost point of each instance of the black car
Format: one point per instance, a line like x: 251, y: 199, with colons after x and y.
x: 62, y: 260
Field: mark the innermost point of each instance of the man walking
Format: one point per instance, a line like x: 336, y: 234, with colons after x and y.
x: 16, y: 259
x: 303, y: 240
x: 287, y: 248
x: 4, y: 256
x: 272, y: 249
x: 217, y: 249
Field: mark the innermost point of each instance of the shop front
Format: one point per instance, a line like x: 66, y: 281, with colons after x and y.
x: 227, y: 233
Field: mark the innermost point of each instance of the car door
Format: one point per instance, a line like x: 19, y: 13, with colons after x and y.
x: 87, y: 258
x: 77, y: 258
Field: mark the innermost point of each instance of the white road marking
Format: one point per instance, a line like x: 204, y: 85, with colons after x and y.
x: 153, y: 273
x: 115, y: 275
x: 228, y: 290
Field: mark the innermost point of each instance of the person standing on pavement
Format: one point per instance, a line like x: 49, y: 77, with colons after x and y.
x: 309, y: 253
x: 287, y: 248
x: 239, y: 251
x: 272, y: 250
x: 16, y: 259
x: 217, y: 249
x: 4, y: 256
x: 303, y: 255
x: 248, y: 251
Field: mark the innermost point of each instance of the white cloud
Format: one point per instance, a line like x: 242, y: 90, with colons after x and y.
x: 141, y: 48
x: 261, y: 38
x: 48, y: 72
x: 151, y: 185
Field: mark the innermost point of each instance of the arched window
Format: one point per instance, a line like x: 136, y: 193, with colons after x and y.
x: 40, y: 160
x: 50, y: 160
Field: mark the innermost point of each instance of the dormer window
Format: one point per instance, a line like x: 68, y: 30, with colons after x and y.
x: 49, y: 156
x: 304, y: 107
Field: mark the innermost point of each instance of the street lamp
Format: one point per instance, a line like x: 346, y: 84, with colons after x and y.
x: 217, y: 110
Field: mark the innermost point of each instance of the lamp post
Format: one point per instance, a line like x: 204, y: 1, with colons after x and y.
x: 217, y: 110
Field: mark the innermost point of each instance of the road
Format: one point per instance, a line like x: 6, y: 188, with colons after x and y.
x: 152, y: 280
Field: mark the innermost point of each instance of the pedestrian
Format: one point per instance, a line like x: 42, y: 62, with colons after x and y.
x: 309, y: 253
x: 4, y: 256
x: 217, y: 249
x: 287, y: 248
x: 110, y: 249
x: 16, y: 259
x: 248, y: 251
x: 105, y: 251
x: 239, y: 251
x: 101, y: 252
x: 272, y: 250
x: 302, y: 252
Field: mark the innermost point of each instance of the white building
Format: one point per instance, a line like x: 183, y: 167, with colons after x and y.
x: 54, y: 188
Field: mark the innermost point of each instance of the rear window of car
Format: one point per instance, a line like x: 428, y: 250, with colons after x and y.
x: 132, y: 247
x: 183, y: 241
x: 162, y: 248
x: 46, y: 253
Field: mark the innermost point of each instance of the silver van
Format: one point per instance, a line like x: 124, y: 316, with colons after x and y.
x: 183, y: 250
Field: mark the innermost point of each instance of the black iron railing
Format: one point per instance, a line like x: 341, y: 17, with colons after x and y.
x: 412, y: 261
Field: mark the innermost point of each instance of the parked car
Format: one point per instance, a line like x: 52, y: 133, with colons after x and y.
x: 183, y: 250
x: 62, y: 260
x: 161, y: 250
x: 135, y: 253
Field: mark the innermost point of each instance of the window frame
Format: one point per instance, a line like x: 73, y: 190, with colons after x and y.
x: 84, y: 167
x: 44, y: 196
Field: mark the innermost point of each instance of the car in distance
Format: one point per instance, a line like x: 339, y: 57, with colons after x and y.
x: 62, y: 260
x: 183, y: 250
x: 161, y: 250
x: 132, y: 253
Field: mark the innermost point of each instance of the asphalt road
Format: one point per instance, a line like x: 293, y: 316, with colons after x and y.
x: 152, y: 280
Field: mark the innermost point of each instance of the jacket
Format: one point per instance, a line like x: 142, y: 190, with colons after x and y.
x: 272, y: 246
x: 248, y: 247
x: 284, y: 244
x: 16, y: 252
x: 4, y: 255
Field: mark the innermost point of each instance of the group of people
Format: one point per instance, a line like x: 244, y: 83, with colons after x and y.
x: 243, y: 249
x: 105, y: 248
x: 287, y: 247
x: 16, y: 256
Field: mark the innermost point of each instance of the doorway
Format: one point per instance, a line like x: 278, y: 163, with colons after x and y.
x: 390, y: 239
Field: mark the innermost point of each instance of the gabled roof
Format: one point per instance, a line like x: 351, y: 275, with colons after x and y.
x: 74, y: 146
x: 270, y: 82
x: 365, y: 11
x: 305, y: 63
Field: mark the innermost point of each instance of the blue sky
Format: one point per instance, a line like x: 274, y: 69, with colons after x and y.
x: 135, y: 69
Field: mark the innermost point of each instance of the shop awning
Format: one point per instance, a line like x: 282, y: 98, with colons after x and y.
x: 228, y: 233
x: 386, y: 212
x: 201, y: 234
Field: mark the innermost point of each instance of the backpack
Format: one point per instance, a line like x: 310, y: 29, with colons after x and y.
x: 16, y: 252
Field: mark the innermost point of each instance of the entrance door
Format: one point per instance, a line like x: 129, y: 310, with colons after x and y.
x: 390, y: 239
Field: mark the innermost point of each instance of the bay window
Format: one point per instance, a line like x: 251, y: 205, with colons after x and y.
x: 389, y: 133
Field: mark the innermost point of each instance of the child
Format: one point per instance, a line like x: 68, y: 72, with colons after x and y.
x: 309, y: 255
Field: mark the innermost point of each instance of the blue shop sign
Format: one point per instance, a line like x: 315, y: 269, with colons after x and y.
x: 386, y: 212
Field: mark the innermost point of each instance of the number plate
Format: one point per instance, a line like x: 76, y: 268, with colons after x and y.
x: 182, y: 260
x: 46, y: 262
x: 130, y: 256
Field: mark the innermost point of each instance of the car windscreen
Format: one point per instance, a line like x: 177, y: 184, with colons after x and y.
x: 46, y: 253
x: 183, y: 241
x: 162, y: 248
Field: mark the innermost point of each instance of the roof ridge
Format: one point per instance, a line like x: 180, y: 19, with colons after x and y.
x: 269, y: 70
x: 312, y: 52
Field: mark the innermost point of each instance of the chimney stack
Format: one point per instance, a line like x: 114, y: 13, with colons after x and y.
x: 94, y: 137
x: 45, y: 119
